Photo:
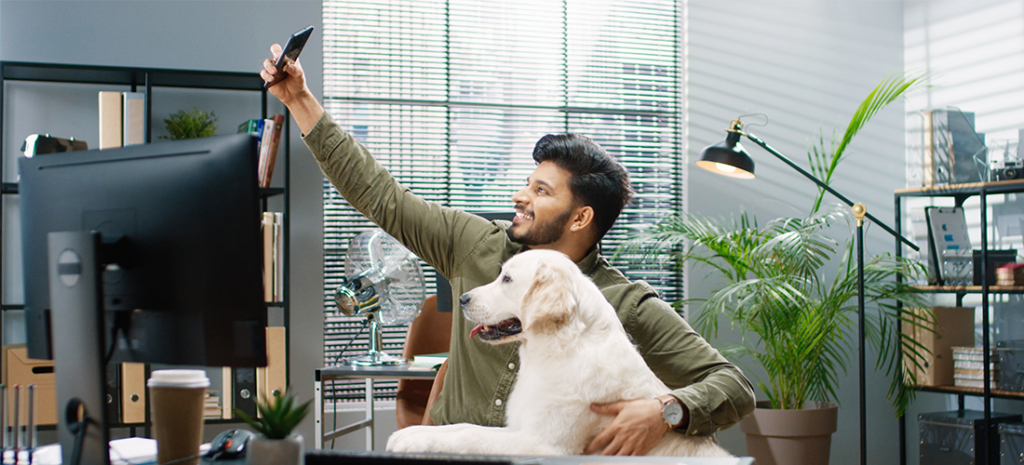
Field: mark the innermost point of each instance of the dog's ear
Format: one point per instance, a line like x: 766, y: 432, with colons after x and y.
x: 551, y: 301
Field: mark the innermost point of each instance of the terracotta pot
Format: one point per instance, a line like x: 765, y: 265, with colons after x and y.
x: 263, y: 451
x: 791, y: 437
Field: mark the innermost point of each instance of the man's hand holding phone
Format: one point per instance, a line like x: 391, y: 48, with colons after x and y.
x: 289, y: 81
x: 285, y: 79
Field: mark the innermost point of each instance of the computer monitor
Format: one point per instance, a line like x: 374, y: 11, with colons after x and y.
x: 183, y: 219
x: 149, y: 253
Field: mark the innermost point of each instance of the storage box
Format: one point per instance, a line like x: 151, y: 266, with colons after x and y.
x: 1011, y: 443
x: 996, y: 259
x: 24, y: 371
x: 961, y: 437
x: 954, y: 327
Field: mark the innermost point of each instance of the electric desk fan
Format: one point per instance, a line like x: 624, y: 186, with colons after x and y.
x: 383, y: 281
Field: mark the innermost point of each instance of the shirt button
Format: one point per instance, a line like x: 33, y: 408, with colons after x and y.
x: 511, y: 366
x: 497, y: 402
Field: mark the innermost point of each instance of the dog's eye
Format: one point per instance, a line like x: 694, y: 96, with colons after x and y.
x: 506, y: 279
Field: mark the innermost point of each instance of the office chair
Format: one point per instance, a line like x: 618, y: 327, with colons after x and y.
x: 429, y: 333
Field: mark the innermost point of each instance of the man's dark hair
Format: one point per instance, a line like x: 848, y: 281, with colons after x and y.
x: 597, y: 180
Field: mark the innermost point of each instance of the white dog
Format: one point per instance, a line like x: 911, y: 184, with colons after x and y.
x: 573, y: 352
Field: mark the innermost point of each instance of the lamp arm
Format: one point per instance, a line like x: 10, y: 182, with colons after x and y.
x: 822, y: 185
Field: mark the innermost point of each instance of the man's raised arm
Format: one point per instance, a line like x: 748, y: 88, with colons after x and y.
x: 293, y: 92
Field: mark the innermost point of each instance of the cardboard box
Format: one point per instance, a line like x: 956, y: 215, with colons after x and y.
x: 954, y: 327
x: 24, y: 371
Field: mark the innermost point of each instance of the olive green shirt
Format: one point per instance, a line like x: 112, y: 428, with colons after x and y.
x: 469, y: 250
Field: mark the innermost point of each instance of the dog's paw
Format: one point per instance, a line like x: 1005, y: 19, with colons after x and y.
x: 411, y: 439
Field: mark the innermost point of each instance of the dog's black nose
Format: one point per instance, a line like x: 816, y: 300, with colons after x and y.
x: 464, y: 299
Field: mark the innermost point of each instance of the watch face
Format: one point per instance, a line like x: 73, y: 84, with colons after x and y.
x: 673, y: 412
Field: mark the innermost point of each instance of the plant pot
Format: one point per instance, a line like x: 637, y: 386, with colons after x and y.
x: 263, y: 451
x: 783, y: 437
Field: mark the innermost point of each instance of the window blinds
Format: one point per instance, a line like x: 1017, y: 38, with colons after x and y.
x: 452, y: 95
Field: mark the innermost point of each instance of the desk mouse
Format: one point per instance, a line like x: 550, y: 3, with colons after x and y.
x: 230, y: 444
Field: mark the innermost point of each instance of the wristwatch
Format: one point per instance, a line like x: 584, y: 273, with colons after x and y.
x: 671, y: 410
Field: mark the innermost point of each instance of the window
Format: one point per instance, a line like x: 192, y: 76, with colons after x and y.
x: 452, y: 95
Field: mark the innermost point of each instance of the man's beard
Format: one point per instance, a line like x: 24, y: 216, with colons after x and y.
x: 542, y: 233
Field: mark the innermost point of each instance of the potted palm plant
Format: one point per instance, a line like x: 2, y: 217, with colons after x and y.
x: 276, y: 444
x: 795, y: 317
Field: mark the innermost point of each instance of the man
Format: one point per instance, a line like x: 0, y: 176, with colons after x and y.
x: 569, y: 202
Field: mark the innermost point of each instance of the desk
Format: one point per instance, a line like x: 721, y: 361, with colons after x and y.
x: 349, y: 372
x: 335, y: 457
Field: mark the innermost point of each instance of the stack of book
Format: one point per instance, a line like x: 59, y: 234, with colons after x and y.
x: 1011, y: 274
x: 969, y: 367
x: 211, y: 405
x: 268, y: 131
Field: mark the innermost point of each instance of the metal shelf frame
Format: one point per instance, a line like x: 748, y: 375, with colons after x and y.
x: 136, y: 78
x: 960, y: 193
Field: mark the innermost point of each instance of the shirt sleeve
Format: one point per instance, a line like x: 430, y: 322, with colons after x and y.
x: 715, y: 391
x: 441, y: 236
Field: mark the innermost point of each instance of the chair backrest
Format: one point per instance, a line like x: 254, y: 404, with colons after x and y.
x: 429, y: 333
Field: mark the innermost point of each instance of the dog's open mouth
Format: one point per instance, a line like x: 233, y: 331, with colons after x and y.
x: 506, y: 328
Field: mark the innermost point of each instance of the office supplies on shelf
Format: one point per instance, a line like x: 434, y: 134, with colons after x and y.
x: 954, y: 326
x: 996, y: 259
x: 1010, y: 274
x: 947, y: 230
x: 957, y: 153
x: 960, y: 436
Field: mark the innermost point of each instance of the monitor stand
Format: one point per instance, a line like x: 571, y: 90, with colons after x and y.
x: 79, y: 343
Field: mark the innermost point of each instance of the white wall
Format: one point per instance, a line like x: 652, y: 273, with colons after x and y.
x: 203, y: 35
x: 807, y: 64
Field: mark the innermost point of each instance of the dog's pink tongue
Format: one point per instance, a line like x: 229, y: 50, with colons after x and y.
x: 475, y: 330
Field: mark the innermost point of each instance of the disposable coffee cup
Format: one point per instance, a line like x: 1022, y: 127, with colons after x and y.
x: 176, y: 400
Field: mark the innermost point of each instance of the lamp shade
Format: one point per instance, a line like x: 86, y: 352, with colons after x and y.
x: 727, y: 158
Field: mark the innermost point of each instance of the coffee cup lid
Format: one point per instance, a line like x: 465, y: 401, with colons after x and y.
x: 179, y: 378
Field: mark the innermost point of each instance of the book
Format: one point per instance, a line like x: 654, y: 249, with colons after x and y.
x: 110, y: 120
x: 275, y: 142
x: 133, y: 114
x: 250, y: 126
x: 429, y: 360
x: 268, y: 256
x: 264, y: 149
x: 1011, y: 274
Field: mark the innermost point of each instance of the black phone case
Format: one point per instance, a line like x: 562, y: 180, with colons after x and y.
x: 291, y: 52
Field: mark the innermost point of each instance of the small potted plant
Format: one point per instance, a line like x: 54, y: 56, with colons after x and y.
x: 190, y: 125
x: 275, y: 443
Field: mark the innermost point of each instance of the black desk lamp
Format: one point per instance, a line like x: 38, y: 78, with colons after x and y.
x: 728, y: 158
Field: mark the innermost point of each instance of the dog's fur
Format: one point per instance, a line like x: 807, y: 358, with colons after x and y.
x: 573, y: 352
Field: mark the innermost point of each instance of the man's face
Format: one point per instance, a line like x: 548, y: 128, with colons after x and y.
x: 543, y: 207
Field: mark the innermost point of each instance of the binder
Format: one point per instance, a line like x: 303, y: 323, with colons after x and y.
x: 133, y: 392
x: 19, y: 369
x: 134, y: 118
x: 227, y: 410
x: 270, y: 379
x: 244, y: 390
x: 268, y: 256
x: 113, y: 397
x: 110, y: 120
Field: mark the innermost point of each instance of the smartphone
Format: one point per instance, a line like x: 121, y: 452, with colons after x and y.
x: 290, y: 53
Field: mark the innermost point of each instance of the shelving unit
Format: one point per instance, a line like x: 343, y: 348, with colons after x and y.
x: 960, y: 193
x: 147, y: 79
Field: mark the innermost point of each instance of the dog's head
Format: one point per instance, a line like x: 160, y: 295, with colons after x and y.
x: 537, y: 292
